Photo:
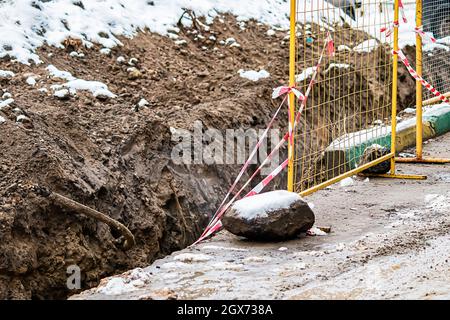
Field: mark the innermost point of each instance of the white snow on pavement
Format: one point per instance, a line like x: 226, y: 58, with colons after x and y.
x: 314, y: 231
x: 192, y: 257
x: 220, y: 248
x: 347, y: 182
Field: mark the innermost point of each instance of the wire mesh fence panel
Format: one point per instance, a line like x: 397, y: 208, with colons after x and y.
x: 347, y: 116
x: 436, y: 56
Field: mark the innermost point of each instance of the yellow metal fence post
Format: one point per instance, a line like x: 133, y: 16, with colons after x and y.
x: 394, y: 90
x: 419, y: 93
x: 292, y: 53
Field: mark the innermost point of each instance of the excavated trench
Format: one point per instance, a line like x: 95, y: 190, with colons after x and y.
x: 115, y: 157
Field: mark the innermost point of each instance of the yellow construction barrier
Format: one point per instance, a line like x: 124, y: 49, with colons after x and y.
x: 351, y: 108
x: 432, y: 63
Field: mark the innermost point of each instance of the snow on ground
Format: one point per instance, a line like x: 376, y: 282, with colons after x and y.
x: 27, y: 24
x: 97, y: 88
x: 6, y: 95
x: 31, y: 81
x: 54, y: 72
x: 6, y: 74
x: 366, y: 46
x: 257, y: 206
x: 6, y: 103
x: 314, y: 231
x: 308, y: 72
x: 338, y: 66
x: 347, y: 182
x: 192, y: 257
x: 254, y: 75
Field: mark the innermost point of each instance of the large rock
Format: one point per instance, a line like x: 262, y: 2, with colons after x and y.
x: 276, y: 215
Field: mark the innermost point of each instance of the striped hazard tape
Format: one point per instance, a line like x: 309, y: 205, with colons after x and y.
x: 402, y: 10
x: 416, y: 76
x: 215, y: 223
x: 248, y: 161
x: 424, y: 35
x: 390, y: 30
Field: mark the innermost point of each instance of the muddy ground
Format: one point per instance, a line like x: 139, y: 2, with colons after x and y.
x: 115, y: 157
x: 390, y: 239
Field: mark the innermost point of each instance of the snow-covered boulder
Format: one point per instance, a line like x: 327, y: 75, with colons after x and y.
x: 276, y: 215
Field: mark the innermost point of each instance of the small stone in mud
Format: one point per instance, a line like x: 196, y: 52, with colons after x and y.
x: 133, y: 62
x: 276, y: 215
x: 134, y: 73
x: 6, y: 95
x: 102, y: 94
x: 372, y: 153
x: 23, y: 119
x: 143, y: 103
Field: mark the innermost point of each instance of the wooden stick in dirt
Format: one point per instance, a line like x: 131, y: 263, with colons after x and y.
x: 82, y: 209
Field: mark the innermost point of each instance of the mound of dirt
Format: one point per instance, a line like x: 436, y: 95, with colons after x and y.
x: 114, y: 155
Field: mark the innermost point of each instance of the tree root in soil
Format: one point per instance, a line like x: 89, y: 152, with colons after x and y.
x: 77, y: 207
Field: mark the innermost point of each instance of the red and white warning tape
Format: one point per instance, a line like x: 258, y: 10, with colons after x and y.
x: 424, y: 35
x: 247, y: 162
x: 215, y: 223
x: 268, y: 179
x: 402, y: 10
x: 414, y: 74
x: 390, y: 30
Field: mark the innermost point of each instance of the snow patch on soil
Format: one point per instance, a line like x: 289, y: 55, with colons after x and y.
x: 6, y: 74
x: 366, y: 46
x: 5, y: 103
x: 97, y: 88
x: 254, y: 75
x: 308, y: 72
